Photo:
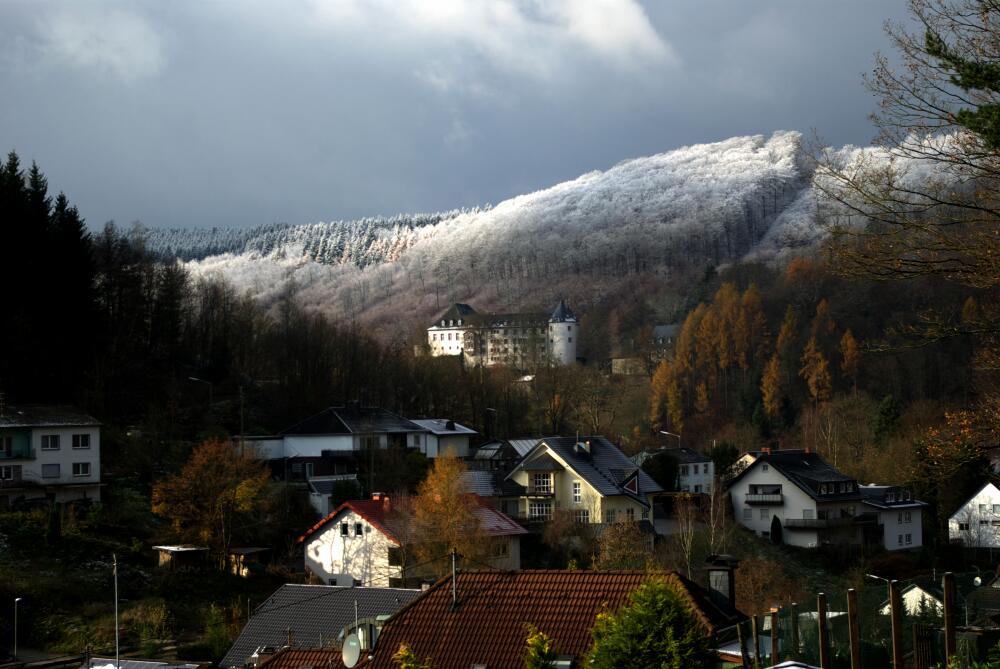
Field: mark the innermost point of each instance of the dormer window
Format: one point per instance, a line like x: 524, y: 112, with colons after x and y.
x: 890, y: 497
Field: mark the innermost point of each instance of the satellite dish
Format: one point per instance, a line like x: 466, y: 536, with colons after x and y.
x: 352, y: 650
x: 977, y: 581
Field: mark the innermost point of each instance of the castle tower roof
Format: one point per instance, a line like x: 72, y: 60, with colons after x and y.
x: 562, y: 314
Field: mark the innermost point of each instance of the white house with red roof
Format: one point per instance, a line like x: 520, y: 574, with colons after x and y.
x: 361, y: 543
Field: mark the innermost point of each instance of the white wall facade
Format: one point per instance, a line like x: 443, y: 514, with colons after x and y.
x: 563, y: 339
x: 758, y: 517
x: 914, y: 599
x: 64, y: 464
x: 435, y: 445
x: 695, y: 476
x: 902, y: 529
x: 352, y: 559
x: 977, y: 523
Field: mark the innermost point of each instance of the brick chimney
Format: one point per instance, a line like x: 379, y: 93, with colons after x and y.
x: 381, y: 497
x: 722, y: 576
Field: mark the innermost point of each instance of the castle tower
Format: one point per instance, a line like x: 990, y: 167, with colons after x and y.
x: 563, y: 335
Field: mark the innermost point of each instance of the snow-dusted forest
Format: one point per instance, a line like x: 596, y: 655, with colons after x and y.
x: 707, y: 204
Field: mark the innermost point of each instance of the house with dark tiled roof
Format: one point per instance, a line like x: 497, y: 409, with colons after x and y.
x: 796, y: 497
x: 302, y: 617
x: 48, y: 452
x: 478, y: 620
x: 589, y: 477
x: 363, y: 542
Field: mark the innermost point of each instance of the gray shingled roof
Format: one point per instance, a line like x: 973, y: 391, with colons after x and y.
x: 353, y: 420
x: 524, y: 446
x: 602, y: 468
x: 45, y: 416
x: 315, y: 614
x: 491, y: 484
x: 439, y: 426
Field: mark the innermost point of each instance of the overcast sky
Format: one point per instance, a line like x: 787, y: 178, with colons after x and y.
x: 244, y: 112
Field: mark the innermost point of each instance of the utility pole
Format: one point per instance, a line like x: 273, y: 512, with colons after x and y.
x: 16, y: 600
x: 114, y: 559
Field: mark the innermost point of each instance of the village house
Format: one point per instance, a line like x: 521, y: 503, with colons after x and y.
x: 48, y: 453
x: 898, y: 515
x: 478, y: 620
x: 796, y: 497
x: 309, y: 617
x: 589, y: 477
x: 361, y: 542
x: 976, y: 524
x: 519, y: 340
x: 322, y: 450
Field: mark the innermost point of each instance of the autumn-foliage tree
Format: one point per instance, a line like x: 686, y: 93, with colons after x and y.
x: 539, y: 649
x: 655, y: 630
x: 214, y: 495
x: 445, y: 519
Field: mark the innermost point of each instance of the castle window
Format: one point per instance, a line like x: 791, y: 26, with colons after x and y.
x: 570, y: 340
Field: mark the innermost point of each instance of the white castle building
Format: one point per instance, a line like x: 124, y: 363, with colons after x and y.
x: 519, y: 340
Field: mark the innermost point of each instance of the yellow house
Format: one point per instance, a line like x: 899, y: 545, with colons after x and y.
x: 588, y: 476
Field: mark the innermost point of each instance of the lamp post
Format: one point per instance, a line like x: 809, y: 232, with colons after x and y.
x: 671, y: 434
x: 16, y: 600
x: 207, y: 383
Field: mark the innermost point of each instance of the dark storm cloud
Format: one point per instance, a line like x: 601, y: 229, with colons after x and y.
x: 240, y: 113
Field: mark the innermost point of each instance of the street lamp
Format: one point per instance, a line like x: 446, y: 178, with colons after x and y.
x: 207, y: 383
x: 671, y: 434
x: 16, y: 600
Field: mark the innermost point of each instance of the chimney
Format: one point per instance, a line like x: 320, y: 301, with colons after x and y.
x: 450, y: 425
x: 808, y: 450
x: 766, y: 450
x: 722, y: 576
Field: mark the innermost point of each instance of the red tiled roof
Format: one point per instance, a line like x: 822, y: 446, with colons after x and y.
x: 488, y: 625
x: 302, y: 658
x: 378, y: 512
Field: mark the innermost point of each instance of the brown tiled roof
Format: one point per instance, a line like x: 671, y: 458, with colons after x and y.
x: 380, y: 514
x: 302, y: 658
x: 488, y: 624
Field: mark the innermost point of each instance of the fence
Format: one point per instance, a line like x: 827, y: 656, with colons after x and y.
x: 914, y: 624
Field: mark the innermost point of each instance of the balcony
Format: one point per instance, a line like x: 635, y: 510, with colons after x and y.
x: 540, y: 492
x: 765, y: 498
x: 817, y: 523
x: 26, y: 453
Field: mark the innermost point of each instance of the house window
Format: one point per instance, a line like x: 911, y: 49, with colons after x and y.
x: 582, y: 516
x: 765, y: 514
x: 905, y: 517
x: 50, y: 471
x: 501, y: 549
x: 577, y: 492
x: 984, y: 522
x: 395, y: 556
x: 645, y: 514
x: 609, y: 516
x: 909, y: 539
x: 344, y: 529
x: 297, y: 468
x: 963, y: 527
x: 996, y: 509
x: 540, y: 510
x: 310, y: 469
x: 764, y: 467
x: 630, y: 514
x: 704, y: 468
x: 81, y: 469
x: 982, y: 507
x: 359, y: 529
x: 747, y: 513
x: 81, y: 441
x: 697, y: 488
x: 10, y: 472
x: 543, y: 483
x: 6, y: 446
x: 684, y: 470
x: 900, y: 540
x: 50, y: 442
x: 890, y: 497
